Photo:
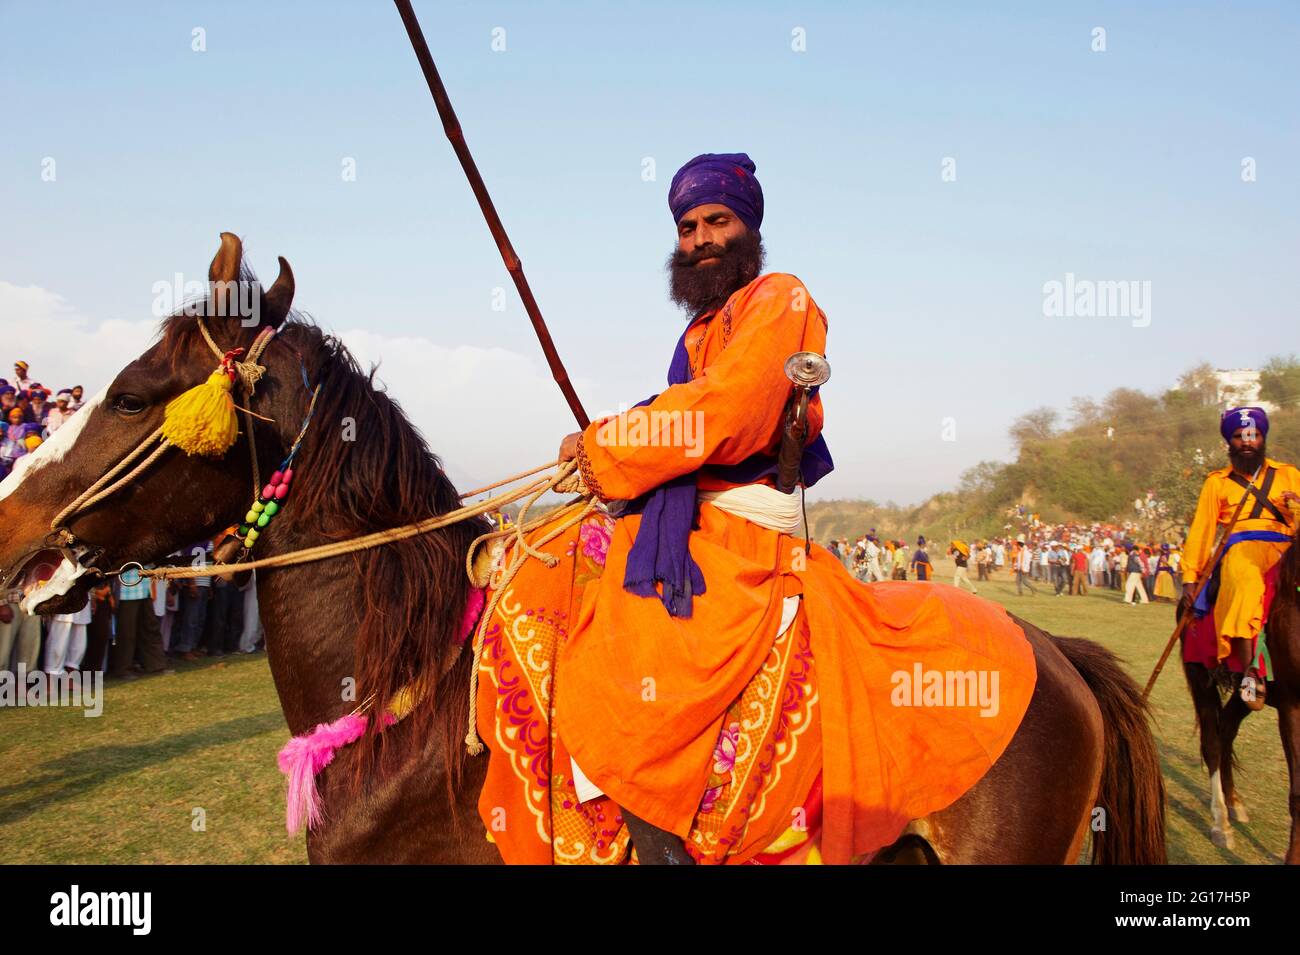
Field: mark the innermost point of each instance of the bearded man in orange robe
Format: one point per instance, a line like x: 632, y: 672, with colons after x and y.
x: 704, y: 571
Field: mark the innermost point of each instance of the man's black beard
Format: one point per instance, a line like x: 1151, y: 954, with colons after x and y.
x: 1247, y: 461
x: 703, y: 289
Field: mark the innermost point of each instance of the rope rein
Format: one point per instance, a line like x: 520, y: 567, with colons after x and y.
x: 566, y: 517
x: 563, y: 478
x: 365, y: 542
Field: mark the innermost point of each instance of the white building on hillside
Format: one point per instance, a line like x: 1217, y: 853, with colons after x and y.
x: 1240, y: 386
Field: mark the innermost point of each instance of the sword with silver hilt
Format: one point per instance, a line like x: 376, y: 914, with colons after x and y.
x: 806, y: 370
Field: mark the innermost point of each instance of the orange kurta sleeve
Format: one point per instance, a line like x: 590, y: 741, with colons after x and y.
x: 729, y: 411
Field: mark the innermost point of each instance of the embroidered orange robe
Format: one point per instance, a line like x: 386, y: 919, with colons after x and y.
x: 640, y: 695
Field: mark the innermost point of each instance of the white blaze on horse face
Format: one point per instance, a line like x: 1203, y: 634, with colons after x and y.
x: 52, y: 451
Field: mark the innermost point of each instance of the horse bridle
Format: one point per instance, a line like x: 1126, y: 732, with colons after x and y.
x: 61, y: 539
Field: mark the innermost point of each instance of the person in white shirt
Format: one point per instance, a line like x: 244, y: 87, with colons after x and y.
x: 22, y: 381
x: 1024, y: 570
x: 58, y: 415
x: 66, y: 643
x: 874, y: 571
x: 1097, y: 566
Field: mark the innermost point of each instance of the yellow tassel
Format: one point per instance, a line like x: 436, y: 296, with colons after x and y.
x: 202, y: 420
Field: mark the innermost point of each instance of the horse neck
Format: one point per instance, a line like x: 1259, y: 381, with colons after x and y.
x: 310, y: 613
x: 304, y: 610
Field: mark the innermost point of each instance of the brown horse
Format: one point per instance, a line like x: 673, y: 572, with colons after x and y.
x: 1083, y: 760
x: 1218, y: 722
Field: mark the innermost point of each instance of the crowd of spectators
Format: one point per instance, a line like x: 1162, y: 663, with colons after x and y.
x: 1066, y: 559
x: 30, y: 413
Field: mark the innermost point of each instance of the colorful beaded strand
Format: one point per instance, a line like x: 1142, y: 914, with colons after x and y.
x: 271, y: 501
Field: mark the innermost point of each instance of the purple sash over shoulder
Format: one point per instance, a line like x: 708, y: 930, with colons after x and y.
x: 661, y: 553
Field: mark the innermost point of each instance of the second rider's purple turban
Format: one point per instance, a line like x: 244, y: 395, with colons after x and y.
x: 726, y: 178
x: 1237, y: 418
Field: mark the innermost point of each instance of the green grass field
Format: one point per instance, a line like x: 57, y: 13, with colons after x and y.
x: 125, y: 787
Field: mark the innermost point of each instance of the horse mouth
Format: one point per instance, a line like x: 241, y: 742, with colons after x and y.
x: 52, y: 583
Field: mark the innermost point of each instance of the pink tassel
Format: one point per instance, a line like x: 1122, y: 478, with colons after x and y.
x: 303, y: 757
x: 473, y: 607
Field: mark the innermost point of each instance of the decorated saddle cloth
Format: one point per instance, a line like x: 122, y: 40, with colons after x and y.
x: 763, y: 802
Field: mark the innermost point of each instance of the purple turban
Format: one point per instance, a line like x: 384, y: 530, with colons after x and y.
x: 1236, y: 418
x: 726, y: 178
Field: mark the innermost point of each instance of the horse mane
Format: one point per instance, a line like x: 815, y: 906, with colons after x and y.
x: 416, y: 589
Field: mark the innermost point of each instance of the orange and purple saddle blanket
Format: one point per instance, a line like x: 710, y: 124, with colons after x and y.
x: 764, y: 797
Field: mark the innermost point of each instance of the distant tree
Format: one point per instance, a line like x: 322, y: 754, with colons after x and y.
x: 1084, y: 412
x: 980, y: 479
x: 1177, y: 484
x: 1279, y: 380
x: 1201, y: 385
x: 1036, y: 425
x: 1125, y: 407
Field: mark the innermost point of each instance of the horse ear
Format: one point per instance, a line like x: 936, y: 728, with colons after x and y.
x: 278, y: 299
x: 225, y: 264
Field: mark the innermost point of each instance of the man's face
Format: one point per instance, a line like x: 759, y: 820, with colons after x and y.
x: 7, y: 400
x: 20, y: 371
x: 76, y: 393
x: 716, y: 254
x: 1246, y: 448
x: 709, y: 225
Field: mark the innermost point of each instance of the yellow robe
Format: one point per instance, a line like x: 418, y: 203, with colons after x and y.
x: 1238, y: 611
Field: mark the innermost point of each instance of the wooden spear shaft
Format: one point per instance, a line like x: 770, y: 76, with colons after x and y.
x: 451, y: 126
x: 1204, y: 582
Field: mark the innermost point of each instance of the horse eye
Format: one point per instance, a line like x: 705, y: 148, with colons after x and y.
x: 128, y: 404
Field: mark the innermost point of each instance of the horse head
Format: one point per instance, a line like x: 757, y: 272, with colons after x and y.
x: 179, y: 498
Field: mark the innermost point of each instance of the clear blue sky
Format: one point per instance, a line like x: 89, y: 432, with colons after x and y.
x: 1114, y: 166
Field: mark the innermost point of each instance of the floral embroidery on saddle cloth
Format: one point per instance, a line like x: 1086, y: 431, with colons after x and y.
x: 763, y: 799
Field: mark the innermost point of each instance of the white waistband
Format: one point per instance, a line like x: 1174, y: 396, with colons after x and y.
x: 759, y: 504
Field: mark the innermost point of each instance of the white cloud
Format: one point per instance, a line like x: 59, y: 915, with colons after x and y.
x: 488, y: 412
x: 62, y: 346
